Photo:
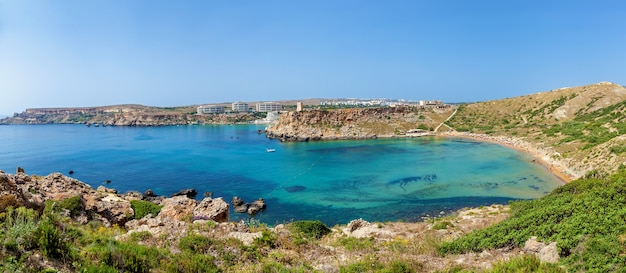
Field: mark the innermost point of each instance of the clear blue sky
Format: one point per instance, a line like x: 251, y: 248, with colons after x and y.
x: 67, y: 53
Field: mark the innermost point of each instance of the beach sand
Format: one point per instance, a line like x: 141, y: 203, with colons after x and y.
x: 541, y: 156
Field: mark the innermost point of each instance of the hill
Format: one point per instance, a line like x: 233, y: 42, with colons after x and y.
x: 584, y: 126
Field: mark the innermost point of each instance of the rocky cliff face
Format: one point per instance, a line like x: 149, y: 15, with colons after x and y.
x: 101, y: 204
x: 134, y: 115
x: 358, y: 123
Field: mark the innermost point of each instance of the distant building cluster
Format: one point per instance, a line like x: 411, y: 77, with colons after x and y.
x: 239, y: 107
x: 381, y: 102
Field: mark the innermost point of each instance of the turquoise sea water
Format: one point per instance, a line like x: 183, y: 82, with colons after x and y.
x: 333, y: 181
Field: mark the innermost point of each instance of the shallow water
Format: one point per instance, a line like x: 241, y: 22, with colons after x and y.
x: 333, y: 181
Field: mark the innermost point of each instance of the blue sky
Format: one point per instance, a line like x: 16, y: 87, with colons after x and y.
x: 68, y: 53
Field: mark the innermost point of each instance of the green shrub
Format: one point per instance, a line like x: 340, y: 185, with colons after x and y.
x: 20, y: 227
x: 188, y: 262
x: 74, y: 204
x: 267, y: 239
x: 442, y: 225
x: 312, y: 229
x: 586, y: 218
x: 355, y: 244
x: 525, y: 263
x: 143, y: 208
x: 50, y: 239
x: 195, y: 243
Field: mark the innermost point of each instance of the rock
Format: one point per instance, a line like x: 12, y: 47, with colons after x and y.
x: 19, y: 170
x: 252, y: 210
x: 532, y: 245
x: 132, y: 195
x: 259, y: 203
x: 237, y: 201
x: 215, y: 209
x: 177, y: 208
x: 242, y: 208
x: 356, y: 224
x: 549, y: 254
x: 208, y: 194
x: 245, y: 237
x: 149, y: 193
x: 111, y: 207
x: 190, y: 193
x: 545, y: 252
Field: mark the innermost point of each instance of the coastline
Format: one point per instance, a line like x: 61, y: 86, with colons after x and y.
x: 541, y: 156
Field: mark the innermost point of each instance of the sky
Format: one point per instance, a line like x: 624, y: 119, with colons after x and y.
x: 76, y: 53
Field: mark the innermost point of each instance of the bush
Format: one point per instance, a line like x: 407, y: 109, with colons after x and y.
x: 143, y: 208
x: 525, y: 263
x: 74, y: 204
x: 191, y: 263
x: 50, y: 240
x: 20, y: 227
x: 195, y: 243
x: 442, y: 225
x: 586, y: 218
x: 312, y: 229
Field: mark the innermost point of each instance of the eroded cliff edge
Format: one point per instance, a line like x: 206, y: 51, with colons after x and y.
x: 357, y: 123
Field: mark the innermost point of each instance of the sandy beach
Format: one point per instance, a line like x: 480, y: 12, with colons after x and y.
x: 541, y: 156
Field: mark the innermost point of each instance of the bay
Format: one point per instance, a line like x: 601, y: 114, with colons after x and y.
x: 332, y: 181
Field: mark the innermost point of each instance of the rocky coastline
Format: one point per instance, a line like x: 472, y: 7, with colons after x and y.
x: 181, y: 216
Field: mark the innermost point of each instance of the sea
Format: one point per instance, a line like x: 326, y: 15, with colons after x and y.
x: 378, y: 180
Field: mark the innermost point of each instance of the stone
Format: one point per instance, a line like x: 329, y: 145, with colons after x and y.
x: 149, y: 193
x: 549, y: 254
x: 242, y: 208
x: 177, y: 208
x: 190, y: 193
x: 215, y: 209
x: 259, y: 203
x: 253, y: 210
x: 132, y: 195
x: 236, y: 201
x: 545, y: 252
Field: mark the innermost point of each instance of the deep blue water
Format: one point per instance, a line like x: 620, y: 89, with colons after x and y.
x: 333, y: 181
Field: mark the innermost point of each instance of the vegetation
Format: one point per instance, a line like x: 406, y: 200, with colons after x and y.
x: 586, y: 218
x: 143, y: 208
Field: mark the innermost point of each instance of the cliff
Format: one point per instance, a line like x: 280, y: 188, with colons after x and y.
x: 126, y: 115
x: 358, y: 123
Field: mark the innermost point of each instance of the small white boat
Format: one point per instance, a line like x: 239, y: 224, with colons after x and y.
x: 270, y: 150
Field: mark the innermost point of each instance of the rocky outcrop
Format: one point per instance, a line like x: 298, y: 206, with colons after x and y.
x: 357, y: 123
x: 104, y: 204
x: 212, y: 209
x: 545, y: 252
x: 124, y: 115
x: 252, y: 209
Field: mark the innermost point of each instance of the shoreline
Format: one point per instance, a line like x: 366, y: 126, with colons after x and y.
x: 541, y: 156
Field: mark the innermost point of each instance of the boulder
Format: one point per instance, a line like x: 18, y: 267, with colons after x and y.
x: 177, y: 208
x: 242, y: 208
x: 236, y: 201
x: 190, y: 193
x: 214, y: 209
x: 259, y: 203
x: 149, y: 193
x: 132, y: 195
x: 545, y: 252
x: 111, y: 207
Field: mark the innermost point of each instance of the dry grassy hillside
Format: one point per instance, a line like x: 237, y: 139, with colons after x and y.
x: 585, y: 126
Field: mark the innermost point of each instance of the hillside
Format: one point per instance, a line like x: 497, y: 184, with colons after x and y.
x: 356, y: 123
x: 584, y: 127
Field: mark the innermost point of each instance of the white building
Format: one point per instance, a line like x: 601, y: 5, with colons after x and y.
x: 268, y: 107
x: 240, y: 106
x: 210, y: 109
